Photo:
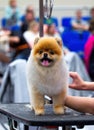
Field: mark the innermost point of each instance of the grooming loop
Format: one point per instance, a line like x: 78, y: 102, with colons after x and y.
x: 48, y: 7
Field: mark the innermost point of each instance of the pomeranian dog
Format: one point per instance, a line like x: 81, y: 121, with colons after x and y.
x: 47, y: 74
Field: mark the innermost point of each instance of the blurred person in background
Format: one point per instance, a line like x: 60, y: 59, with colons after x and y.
x: 18, y: 43
x: 78, y: 23
x: 89, y: 51
x: 4, y: 51
x: 27, y: 18
x: 32, y: 33
x: 12, y: 14
x: 92, y: 13
x: 18, y: 46
x: 51, y: 30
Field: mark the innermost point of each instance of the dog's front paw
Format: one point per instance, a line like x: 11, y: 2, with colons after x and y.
x: 59, y: 110
x: 39, y: 111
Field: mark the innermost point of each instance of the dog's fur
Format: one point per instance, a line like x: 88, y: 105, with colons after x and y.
x: 47, y: 74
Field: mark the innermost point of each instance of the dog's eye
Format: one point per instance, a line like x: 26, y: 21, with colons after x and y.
x: 52, y: 52
x: 40, y: 51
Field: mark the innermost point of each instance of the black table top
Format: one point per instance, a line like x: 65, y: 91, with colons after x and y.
x: 22, y: 113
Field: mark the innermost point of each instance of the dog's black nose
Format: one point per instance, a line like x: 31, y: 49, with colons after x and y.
x: 45, y: 55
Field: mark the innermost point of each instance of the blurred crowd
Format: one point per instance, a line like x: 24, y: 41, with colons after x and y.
x: 18, y: 32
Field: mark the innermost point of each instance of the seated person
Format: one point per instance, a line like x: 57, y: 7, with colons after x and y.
x: 12, y: 14
x: 19, y: 45
x: 52, y: 31
x: 17, y: 41
x: 92, y: 13
x: 27, y: 18
x: 32, y: 33
x: 78, y: 23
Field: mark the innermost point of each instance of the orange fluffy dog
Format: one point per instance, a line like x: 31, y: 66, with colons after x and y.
x: 47, y: 74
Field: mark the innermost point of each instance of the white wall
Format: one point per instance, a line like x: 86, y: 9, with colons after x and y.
x: 74, y: 2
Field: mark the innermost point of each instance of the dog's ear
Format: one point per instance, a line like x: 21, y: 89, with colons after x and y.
x: 36, y: 40
x: 59, y: 41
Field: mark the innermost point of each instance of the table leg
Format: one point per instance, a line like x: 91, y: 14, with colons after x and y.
x: 68, y: 128
x: 12, y: 124
x: 80, y: 126
x: 26, y: 127
x: 58, y: 128
x: 48, y: 128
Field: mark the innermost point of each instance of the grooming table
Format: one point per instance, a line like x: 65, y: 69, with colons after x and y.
x: 21, y: 113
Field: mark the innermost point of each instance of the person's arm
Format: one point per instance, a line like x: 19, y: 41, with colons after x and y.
x: 75, y: 25
x: 4, y: 58
x: 79, y: 84
x: 14, y: 39
x: 81, y: 26
x: 81, y: 104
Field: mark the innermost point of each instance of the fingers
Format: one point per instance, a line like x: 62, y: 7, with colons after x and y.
x: 73, y: 74
x: 75, y: 78
x: 72, y: 85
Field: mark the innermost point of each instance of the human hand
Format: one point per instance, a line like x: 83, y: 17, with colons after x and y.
x: 85, y: 27
x: 77, y: 82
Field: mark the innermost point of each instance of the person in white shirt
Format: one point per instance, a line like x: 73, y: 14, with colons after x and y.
x: 78, y: 23
x: 32, y: 33
x: 52, y: 31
